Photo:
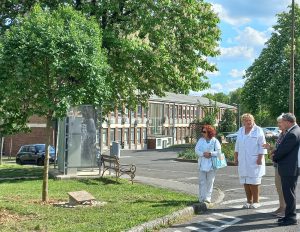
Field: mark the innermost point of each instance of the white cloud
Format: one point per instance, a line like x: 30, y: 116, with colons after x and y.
x: 251, y: 37
x: 224, y: 15
x: 237, y: 52
x: 213, y: 74
x: 239, y: 12
x: 215, y: 88
x: 236, y: 73
x: 233, y: 85
x: 221, y: 88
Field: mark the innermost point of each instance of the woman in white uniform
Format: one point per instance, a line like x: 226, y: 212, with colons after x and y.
x: 249, y: 156
x: 206, y: 147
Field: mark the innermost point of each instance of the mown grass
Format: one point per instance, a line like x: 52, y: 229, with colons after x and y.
x: 127, y: 205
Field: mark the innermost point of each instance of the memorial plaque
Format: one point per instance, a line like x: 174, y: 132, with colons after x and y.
x: 80, y: 197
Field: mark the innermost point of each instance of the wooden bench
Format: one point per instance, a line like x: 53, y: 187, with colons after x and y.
x: 113, y: 163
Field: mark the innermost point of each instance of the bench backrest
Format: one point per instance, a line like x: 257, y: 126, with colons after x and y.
x: 107, y: 160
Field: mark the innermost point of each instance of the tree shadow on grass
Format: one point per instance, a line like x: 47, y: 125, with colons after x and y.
x: 100, y: 180
x: 10, y: 174
x: 167, y: 203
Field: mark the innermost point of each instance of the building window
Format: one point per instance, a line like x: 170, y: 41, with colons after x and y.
x: 192, y: 112
x: 145, y: 135
x: 139, y: 111
x: 132, y: 135
x: 104, y: 136
x: 155, y: 118
x: 171, y: 111
x: 126, y: 137
x: 119, y: 135
x: 180, y: 112
x: 138, y: 135
x: 167, y: 110
x: 183, y: 112
x: 187, y: 112
x: 112, y: 135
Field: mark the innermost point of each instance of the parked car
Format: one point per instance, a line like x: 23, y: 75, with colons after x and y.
x: 275, y: 130
x: 268, y: 133
x: 34, y: 154
x: 231, y: 137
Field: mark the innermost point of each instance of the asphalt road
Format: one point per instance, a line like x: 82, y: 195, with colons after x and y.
x: 158, y: 167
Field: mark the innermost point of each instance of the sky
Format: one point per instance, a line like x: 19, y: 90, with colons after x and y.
x: 245, y: 26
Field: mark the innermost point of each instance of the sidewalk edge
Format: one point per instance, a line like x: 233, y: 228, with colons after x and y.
x: 188, y: 211
x: 166, y: 220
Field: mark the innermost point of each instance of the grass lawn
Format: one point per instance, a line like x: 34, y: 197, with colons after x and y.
x: 127, y: 205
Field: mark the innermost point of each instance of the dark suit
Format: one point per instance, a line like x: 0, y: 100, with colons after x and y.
x: 286, y: 156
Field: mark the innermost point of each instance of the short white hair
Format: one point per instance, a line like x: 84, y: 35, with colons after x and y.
x: 279, y: 118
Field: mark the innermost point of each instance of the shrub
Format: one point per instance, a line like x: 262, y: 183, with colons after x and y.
x: 188, y: 154
x: 228, y: 150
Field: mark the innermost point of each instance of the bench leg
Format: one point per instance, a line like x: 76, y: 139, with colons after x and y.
x: 132, y: 177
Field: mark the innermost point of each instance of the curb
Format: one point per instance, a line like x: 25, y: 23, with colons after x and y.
x: 188, y: 211
x: 166, y: 220
x: 186, y: 160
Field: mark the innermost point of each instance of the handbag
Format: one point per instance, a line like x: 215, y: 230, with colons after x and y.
x: 218, y: 161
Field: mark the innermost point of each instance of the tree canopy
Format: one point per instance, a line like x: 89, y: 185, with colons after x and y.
x: 151, y: 46
x: 49, y: 61
x: 219, y: 97
x: 267, y: 80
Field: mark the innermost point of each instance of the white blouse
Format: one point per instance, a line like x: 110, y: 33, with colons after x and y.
x: 213, y: 146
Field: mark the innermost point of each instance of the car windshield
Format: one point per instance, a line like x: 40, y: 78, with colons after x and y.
x: 41, y: 148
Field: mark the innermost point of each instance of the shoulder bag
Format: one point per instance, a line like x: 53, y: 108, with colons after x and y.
x: 218, y: 161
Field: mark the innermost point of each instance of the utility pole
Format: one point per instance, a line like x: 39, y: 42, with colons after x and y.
x: 292, y: 77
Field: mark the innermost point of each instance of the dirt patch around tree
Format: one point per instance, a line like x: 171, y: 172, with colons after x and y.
x: 6, y: 216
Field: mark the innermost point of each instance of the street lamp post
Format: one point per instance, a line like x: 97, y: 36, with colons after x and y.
x: 238, y: 114
x: 292, y: 77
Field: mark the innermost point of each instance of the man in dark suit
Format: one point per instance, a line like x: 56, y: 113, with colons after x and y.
x: 286, y: 156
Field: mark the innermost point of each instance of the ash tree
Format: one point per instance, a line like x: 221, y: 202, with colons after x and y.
x: 152, y: 46
x: 51, y: 60
x: 266, y: 89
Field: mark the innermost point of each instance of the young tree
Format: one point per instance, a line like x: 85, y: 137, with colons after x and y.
x: 152, y: 46
x: 228, y: 123
x: 267, y: 79
x: 50, y: 61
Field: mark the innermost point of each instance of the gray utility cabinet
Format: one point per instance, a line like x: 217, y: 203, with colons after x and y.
x: 77, y: 140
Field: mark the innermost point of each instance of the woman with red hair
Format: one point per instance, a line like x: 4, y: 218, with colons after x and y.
x: 206, y: 147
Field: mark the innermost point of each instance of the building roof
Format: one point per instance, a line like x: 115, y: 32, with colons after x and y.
x: 187, y: 99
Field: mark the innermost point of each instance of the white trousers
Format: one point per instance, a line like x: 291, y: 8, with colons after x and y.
x: 206, y: 184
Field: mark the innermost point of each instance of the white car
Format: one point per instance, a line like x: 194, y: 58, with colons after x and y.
x: 231, y: 137
x: 274, y: 131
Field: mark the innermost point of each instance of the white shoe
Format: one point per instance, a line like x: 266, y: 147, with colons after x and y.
x: 255, y: 205
x: 246, y: 206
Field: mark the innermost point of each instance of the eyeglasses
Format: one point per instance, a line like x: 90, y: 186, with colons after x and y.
x: 204, y: 132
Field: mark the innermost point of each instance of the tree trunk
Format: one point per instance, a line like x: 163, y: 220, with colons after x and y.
x: 1, y: 150
x: 46, y: 161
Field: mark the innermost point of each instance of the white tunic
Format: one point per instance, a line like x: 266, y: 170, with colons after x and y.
x: 249, y: 147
